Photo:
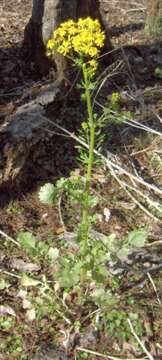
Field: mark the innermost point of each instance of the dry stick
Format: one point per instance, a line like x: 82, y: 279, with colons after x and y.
x: 154, y: 287
x: 139, y: 9
x: 154, y: 243
x: 10, y: 274
x: 139, y: 341
x: 110, y: 165
x: 9, y: 238
x: 137, y: 125
x: 150, y: 202
x: 60, y: 214
x: 108, y: 357
x: 146, y: 211
x: 107, y: 161
x: 134, y: 123
x: 142, y: 151
x: 104, y: 80
x: 158, y: 117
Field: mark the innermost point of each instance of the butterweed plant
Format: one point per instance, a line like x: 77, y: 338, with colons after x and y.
x: 81, y: 42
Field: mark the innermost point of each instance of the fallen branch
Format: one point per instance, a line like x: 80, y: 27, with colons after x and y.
x: 108, y: 357
x: 150, y: 357
x: 9, y: 238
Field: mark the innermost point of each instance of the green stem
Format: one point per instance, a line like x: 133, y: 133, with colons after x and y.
x: 85, y: 214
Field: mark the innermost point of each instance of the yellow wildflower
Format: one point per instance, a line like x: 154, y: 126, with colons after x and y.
x: 50, y: 44
x: 93, y: 64
x: 93, y: 51
x: 79, y: 40
x: 64, y: 48
x: 115, y: 97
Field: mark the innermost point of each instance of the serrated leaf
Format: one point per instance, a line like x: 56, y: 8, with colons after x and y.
x: 137, y: 238
x: 47, y: 193
x: 102, y: 297
x: 68, y: 279
x: 97, y: 293
x: 27, y: 240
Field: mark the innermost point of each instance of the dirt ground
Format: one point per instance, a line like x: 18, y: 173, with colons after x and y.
x: 140, y: 152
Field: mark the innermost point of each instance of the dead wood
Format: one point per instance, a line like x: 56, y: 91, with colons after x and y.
x: 22, y: 134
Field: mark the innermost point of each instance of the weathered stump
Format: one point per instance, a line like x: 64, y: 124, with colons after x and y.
x: 21, y: 137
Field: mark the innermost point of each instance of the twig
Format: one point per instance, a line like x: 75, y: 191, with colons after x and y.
x: 137, y: 125
x: 154, y: 243
x: 10, y: 274
x: 9, y: 238
x: 92, y: 313
x: 108, y: 357
x: 64, y: 317
x: 154, y: 287
x: 124, y: 187
x: 139, y: 341
x: 157, y: 115
x: 105, y: 79
x: 60, y: 214
x: 139, y: 9
x: 150, y: 202
x: 109, y: 162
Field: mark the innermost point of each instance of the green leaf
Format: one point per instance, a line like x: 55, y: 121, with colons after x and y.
x: 53, y: 253
x: 123, y: 253
x: 47, y: 193
x: 27, y: 281
x: 27, y: 240
x: 110, y: 241
x: 3, y: 284
x: 158, y: 72
x: 67, y: 279
x: 137, y: 238
x: 102, y: 297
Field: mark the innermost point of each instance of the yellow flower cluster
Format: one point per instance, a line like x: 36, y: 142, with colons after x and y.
x: 82, y: 39
x: 115, y: 97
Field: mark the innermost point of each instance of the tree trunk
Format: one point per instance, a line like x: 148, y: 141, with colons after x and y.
x: 46, y: 16
x: 154, y: 18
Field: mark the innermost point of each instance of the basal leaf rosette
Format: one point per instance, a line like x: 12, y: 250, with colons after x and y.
x: 79, y: 41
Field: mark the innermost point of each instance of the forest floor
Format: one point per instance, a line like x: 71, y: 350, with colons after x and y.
x: 37, y: 320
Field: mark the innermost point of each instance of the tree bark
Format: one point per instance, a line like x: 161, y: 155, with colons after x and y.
x: 46, y: 17
x: 154, y: 18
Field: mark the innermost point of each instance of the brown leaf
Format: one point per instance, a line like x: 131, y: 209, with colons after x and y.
x: 21, y: 265
x: 60, y: 230
x: 6, y: 310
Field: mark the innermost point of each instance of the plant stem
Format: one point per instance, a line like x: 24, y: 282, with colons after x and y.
x: 91, y: 122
